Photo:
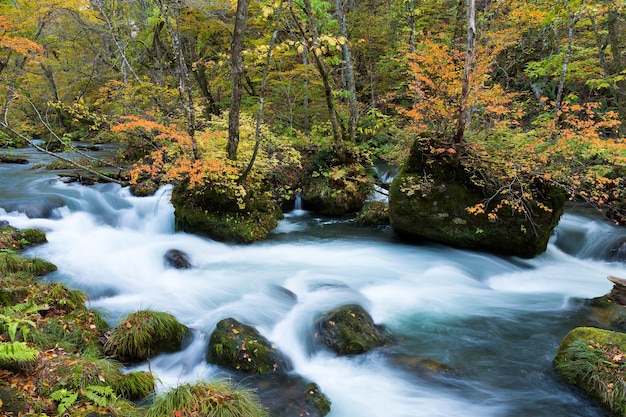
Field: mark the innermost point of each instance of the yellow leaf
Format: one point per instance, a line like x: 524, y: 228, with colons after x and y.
x: 235, y: 331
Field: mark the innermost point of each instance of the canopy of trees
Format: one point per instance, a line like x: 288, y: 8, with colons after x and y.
x: 519, y: 91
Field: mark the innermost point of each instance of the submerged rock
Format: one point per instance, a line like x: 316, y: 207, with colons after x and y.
x: 349, y: 330
x: 287, y: 395
x: 240, y: 347
x: 429, y: 198
x: 177, y: 259
x: 41, y: 208
x: 617, y: 253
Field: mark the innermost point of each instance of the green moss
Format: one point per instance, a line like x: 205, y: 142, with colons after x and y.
x: 595, y: 361
x: 218, y: 215
x: 318, y: 399
x: 241, y: 347
x: 145, y: 333
x: 15, y: 239
x: 349, y: 330
x: 432, y: 209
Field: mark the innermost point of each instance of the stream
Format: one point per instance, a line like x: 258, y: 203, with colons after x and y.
x: 493, y: 322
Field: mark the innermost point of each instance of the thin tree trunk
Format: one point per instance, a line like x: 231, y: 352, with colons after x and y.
x: 184, y: 83
x: 573, y: 19
x: 259, y: 114
x: 349, y: 74
x: 467, y: 70
x: 236, y: 62
x: 120, y: 48
x: 55, y: 93
x: 321, y: 67
x: 613, y: 88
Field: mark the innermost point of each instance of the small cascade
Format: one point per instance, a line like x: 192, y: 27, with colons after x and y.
x: 297, y: 205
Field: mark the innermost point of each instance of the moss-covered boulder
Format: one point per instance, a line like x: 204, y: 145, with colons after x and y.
x: 224, y: 216
x: 349, y: 330
x: 429, y: 198
x: 237, y: 346
x: 16, y: 239
x: 144, y: 334
x: 335, y: 182
x: 595, y: 361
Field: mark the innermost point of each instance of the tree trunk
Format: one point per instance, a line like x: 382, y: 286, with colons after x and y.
x: 613, y: 88
x: 236, y: 61
x: 184, y: 83
x: 321, y: 67
x: 573, y: 19
x: 349, y: 74
x: 55, y: 93
x: 259, y: 114
x: 469, y: 57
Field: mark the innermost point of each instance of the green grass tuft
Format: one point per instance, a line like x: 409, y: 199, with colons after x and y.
x: 145, y: 333
x: 215, y: 399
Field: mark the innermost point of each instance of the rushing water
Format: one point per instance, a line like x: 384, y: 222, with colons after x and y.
x: 494, y: 323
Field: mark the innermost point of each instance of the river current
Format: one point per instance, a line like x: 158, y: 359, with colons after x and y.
x: 494, y: 323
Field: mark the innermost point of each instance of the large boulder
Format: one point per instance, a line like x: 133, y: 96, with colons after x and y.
x: 349, y: 330
x: 241, y: 347
x: 428, y: 200
x: 219, y: 215
x: 593, y: 360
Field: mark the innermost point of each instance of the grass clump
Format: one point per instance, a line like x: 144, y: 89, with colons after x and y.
x: 11, y: 262
x: 145, y: 333
x: 203, y: 399
x: 595, y: 361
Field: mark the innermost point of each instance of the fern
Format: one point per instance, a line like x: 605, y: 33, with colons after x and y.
x: 17, y: 351
x: 65, y: 398
x: 102, y: 396
x: 14, y: 318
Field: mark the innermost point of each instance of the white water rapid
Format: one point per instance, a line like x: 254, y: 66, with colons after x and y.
x: 495, y: 323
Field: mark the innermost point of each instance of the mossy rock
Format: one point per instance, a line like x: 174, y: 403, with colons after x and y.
x: 12, y: 402
x: 144, y: 334
x: 335, y: 181
x: 594, y: 360
x: 144, y: 188
x: 12, y: 296
x: 240, y: 347
x: 219, y: 216
x: 608, y: 313
x: 428, y: 201
x: 16, y: 239
x: 374, y: 213
x: 349, y: 330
